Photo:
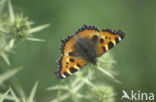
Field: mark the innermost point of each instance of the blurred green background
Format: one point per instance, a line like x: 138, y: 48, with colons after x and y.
x: 135, y: 55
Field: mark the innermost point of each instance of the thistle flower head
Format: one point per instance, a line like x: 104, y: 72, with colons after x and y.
x: 20, y: 27
x: 102, y: 94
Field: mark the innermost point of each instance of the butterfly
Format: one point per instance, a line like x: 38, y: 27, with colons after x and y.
x: 83, y: 47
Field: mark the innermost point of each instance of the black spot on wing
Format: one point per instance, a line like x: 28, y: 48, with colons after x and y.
x: 95, y: 38
x: 110, y: 45
x: 104, y: 49
x: 71, y: 54
x: 71, y: 60
x: 84, y: 27
x: 72, y: 70
x: 117, y: 40
x: 78, y: 65
x: 101, y: 40
x: 66, y: 74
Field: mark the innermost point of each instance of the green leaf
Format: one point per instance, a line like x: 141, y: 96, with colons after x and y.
x: 13, y: 95
x: 83, y: 96
x: 34, y: 39
x: 88, y: 82
x: 33, y: 91
x: 5, y: 76
x: 105, y: 72
x: 11, y: 12
x: 3, y: 30
x: 4, y: 96
x: 108, y: 74
x: 63, y: 97
x: 57, y: 87
x: 39, y: 28
x: 2, y: 2
x: 8, y: 97
x: 5, y: 57
x: 78, y: 87
x: 12, y: 41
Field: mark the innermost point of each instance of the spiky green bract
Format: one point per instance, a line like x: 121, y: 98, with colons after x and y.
x: 13, y: 97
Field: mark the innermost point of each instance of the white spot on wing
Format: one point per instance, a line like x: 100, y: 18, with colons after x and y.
x: 63, y: 76
x: 119, y: 38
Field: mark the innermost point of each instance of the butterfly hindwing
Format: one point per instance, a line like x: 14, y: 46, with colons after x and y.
x: 108, y: 39
x: 68, y: 65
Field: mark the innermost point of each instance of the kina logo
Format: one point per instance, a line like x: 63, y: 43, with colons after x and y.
x: 134, y: 96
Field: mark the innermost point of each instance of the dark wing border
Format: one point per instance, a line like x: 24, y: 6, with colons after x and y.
x: 84, y: 27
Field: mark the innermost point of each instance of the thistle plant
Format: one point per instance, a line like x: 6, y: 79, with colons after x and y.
x: 84, y: 86
x: 14, y: 28
x: 11, y: 96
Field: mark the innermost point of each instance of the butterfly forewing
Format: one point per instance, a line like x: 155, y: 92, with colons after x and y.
x: 88, y: 32
x: 107, y: 40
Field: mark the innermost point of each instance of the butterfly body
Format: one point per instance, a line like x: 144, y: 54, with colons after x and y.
x: 83, y: 47
x: 86, y: 49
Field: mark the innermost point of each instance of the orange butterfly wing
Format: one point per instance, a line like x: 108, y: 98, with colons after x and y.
x: 89, y: 32
x: 68, y: 63
x: 67, y: 45
x: 108, y: 39
x: 104, y: 40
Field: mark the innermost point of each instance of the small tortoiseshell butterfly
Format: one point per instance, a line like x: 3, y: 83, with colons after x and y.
x: 84, y: 46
